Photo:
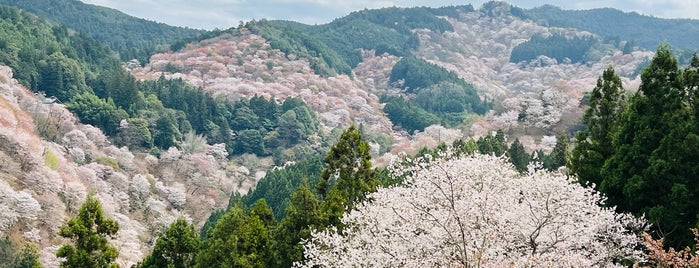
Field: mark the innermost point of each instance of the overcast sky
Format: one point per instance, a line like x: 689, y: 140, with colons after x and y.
x: 223, y: 14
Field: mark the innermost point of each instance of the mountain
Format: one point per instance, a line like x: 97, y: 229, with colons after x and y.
x: 131, y: 37
x: 647, y: 32
x: 205, y: 121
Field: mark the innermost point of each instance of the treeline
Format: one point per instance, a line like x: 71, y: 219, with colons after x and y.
x: 639, y: 149
x: 556, y: 46
x: 266, y: 227
x: 131, y: 37
x: 253, y: 232
x: 440, y: 96
x: 647, y: 31
x: 85, y: 75
x: 335, y: 48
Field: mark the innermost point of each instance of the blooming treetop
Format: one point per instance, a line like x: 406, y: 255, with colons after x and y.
x: 477, y: 211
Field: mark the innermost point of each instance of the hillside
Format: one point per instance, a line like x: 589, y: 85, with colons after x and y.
x: 195, y: 128
x: 476, y: 47
x: 645, y: 31
x: 132, y: 38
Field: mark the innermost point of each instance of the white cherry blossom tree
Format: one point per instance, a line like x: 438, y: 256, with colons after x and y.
x: 478, y: 211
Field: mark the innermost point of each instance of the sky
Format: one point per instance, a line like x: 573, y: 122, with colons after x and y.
x: 223, y: 14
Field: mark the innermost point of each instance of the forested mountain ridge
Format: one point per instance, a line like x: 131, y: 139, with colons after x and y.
x: 131, y: 37
x: 645, y: 31
x: 259, y: 105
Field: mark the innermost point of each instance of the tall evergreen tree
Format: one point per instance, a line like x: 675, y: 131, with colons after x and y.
x: 559, y: 155
x: 594, y: 145
x: 89, y: 229
x: 518, y: 156
x: 176, y: 248
x: 302, y: 215
x: 348, y: 175
x: 239, y: 240
x: 653, y: 168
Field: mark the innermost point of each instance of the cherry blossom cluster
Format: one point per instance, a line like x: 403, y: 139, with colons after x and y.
x: 463, y: 211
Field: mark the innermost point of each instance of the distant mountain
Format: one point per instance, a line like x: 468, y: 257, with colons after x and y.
x: 647, y: 32
x: 130, y: 36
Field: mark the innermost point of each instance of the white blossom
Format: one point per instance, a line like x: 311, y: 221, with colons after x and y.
x: 477, y: 211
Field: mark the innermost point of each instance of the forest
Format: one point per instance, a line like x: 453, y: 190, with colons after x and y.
x: 130, y: 37
x: 143, y: 115
x: 618, y: 191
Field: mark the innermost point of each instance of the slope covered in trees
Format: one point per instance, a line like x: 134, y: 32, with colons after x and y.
x: 335, y: 48
x: 650, y: 166
x: 131, y: 37
x: 647, y: 32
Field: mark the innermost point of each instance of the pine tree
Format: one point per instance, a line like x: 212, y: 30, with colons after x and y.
x: 239, y: 239
x: 653, y: 168
x: 302, y: 215
x: 559, y: 155
x: 176, y: 248
x: 89, y: 230
x: 518, y: 156
x: 348, y: 175
x: 594, y: 145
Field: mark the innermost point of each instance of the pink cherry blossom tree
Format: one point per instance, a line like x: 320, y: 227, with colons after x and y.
x: 478, y: 211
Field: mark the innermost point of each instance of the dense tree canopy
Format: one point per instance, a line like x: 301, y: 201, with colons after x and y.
x: 650, y: 166
x: 594, y: 145
x: 477, y: 211
x: 556, y: 46
x: 89, y: 231
x: 176, y: 248
x: 132, y: 38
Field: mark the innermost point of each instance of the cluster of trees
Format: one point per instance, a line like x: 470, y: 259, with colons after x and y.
x: 473, y: 211
x: 440, y: 96
x: 251, y: 234
x: 86, y: 76
x: 556, y: 46
x: 496, y: 144
x: 131, y: 37
x: 532, y: 218
x: 643, y: 29
x: 335, y: 48
x: 16, y: 255
x: 640, y: 149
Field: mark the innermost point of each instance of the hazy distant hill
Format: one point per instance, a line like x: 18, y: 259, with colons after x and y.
x: 647, y: 32
x: 130, y: 36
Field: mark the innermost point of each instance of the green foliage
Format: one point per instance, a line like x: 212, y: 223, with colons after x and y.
x: 131, y: 37
x: 107, y: 161
x: 644, y: 30
x: 594, y: 145
x: 50, y: 159
x: 518, y: 156
x: 101, y: 113
x: 335, y: 48
x: 278, y: 185
x: 441, y: 96
x: 416, y: 74
x: 556, y: 46
x: 492, y: 144
x: 650, y: 165
x: 302, y: 215
x: 324, y: 60
x: 89, y: 231
x: 347, y: 176
x: 559, y: 155
x: 407, y: 114
x: 134, y: 134
x: 16, y: 255
x: 239, y: 240
x: 176, y: 248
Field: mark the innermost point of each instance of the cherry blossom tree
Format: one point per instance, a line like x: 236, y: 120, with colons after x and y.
x: 477, y: 211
